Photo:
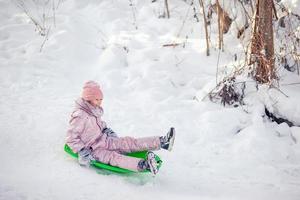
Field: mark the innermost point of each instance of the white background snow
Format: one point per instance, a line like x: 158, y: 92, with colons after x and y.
x: 219, y: 153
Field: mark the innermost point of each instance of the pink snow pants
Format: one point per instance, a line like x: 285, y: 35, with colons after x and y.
x: 113, y: 153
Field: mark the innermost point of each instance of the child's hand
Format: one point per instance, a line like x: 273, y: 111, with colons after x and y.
x: 85, y: 157
x: 109, y: 132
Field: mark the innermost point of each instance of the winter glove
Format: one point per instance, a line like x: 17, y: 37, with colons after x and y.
x: 109, y: 132
x: 85, y: 157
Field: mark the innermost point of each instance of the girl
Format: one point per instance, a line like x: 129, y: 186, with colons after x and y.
x: 89, y: 136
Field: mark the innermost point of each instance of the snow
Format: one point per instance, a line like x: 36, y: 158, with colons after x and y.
x: 219, y: 153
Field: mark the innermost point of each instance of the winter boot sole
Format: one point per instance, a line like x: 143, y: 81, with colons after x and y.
x: 152, y: 163
x: 171, y: 143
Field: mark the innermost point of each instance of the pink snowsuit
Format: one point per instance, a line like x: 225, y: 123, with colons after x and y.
x: 86, y: 131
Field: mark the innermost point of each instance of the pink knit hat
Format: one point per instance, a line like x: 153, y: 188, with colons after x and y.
x: 91, y: 91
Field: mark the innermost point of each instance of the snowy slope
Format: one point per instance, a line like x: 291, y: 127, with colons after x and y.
x: 220, y: 152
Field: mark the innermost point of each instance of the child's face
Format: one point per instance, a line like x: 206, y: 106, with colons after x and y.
x: 96, y: 102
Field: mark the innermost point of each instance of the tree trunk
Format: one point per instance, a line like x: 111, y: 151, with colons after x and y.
x: 262, y: 44
x: 205, y: 26
x: 220, y: 27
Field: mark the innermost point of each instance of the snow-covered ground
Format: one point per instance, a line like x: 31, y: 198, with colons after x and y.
x: 220, y: 152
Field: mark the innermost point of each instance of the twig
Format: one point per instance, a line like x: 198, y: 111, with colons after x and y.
x: 246, y: 12
x: 40, y: 29
x: 173, y: 84
x: 133, y: 14
x: 183, y: 23
x: 274, y: 9
x: 280, y: 91
x: 179, y: 62
x: 53, y: 10
x: 218, y: 66
x: 167, y: 8
x: 290, y: 84
x: 172, y: 45
x: 46, y: 38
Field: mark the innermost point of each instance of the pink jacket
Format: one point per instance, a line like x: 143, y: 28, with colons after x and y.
x: 86, y: 127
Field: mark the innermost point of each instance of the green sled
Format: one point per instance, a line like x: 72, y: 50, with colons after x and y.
x: 97, y: 164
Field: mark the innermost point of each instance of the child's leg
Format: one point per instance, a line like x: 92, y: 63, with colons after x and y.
x: 116, y: 159
x: 129, y: 144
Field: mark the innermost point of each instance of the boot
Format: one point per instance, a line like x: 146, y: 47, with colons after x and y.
x: 149, y: 164
x: 167, y: 141
x: 152, y: 163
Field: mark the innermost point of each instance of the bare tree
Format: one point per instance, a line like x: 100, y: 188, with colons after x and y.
x: 205, y: 27
x: 262, y: 42
x: 220, y: 28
